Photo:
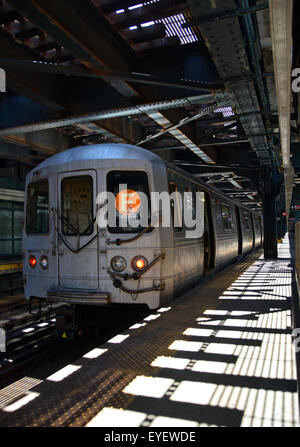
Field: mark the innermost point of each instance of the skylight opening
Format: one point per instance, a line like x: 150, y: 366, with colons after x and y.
x: 144, y: 25
x: 135, y: 6
x: 172, y: 24
x: 173, y: 28
x: 226, y: 111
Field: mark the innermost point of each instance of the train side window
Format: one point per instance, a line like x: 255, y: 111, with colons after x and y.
x: 37, y: 209
x: 130, y: 219
x: 190, y: 201
x: 247, y: 222
x: 226, y: 217
x: 77, y: 205
x: 257, y: 223
x: 176, y: 207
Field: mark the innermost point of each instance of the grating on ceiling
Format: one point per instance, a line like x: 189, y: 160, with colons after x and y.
x: 172, y: 24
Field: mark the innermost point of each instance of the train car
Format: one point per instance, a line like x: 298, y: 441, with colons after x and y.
x: 71, y: 257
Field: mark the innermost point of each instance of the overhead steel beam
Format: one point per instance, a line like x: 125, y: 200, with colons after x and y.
x: 226, y: 14
x: 101, y: 46
x: 134, y: 77
x: 176, y: 133
x: 281, y: 14
x: 48, y: 142
x: 223, y: 142
x: 46, y: 89
x: 16, y: 152
x: 106, y: 114
x: 67, y: 23
x: 146, y: 13
x: 226, y: 38
x: 43, y: 88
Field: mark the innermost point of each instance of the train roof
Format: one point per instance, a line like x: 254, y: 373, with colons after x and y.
x: 106, y: 151
x: 119, y: 151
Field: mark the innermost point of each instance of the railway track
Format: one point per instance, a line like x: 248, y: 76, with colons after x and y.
x: 32, y: 341
x: 27, y: 337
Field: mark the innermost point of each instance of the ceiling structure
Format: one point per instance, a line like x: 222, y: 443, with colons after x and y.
x: 199, y: 82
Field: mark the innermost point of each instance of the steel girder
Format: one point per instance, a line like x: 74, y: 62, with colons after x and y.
x: 225, y: 41
x: 106, y: 114
x: 80, y: 28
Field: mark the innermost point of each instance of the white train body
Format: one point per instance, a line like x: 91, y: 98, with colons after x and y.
x: 68, y: 258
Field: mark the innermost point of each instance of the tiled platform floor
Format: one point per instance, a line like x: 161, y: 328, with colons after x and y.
x: 221, y: 355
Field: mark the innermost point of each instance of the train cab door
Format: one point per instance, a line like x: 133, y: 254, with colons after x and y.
x: 77, y: 230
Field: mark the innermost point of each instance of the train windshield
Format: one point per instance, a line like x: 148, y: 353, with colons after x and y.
x: 127, y: 187
x: 37, y: 212
x: 77, y: 205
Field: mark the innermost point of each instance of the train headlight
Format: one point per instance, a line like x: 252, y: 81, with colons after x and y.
x: 44, y: 262
x: 138, y: 263
x: 118, y: 263
x: 32, y: 261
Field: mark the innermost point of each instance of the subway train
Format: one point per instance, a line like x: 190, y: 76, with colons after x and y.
x: 147, y: 251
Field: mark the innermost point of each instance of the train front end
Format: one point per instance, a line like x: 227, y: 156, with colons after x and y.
x: 89, y: 237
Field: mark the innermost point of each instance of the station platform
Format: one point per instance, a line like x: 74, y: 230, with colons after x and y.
x: 11, y: 266
x: 220, y: 355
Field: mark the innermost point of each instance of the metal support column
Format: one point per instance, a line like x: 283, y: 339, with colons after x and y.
x: 271, y: 183
x: 282, y: 214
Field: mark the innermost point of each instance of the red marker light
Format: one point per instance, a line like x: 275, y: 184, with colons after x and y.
x: 32, y: 261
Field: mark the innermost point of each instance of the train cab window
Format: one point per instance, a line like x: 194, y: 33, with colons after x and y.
x: 176, y: 207
x: 126, y: 187
x: 37, y: 210
x: 226, y: 217
x: 77, y: 205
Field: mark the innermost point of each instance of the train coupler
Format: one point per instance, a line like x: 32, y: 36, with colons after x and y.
x: 37, y: 309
